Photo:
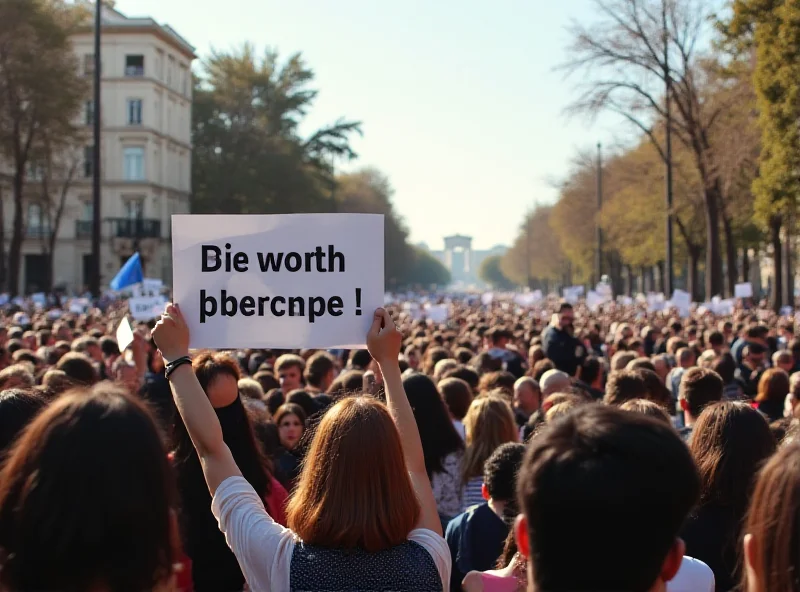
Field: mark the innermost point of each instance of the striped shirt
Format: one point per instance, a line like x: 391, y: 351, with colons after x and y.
x: 472, y: 493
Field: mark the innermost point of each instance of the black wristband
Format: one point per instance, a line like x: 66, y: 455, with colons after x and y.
x: 175, y: 364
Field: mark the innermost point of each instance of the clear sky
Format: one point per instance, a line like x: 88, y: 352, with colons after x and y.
x: 459, y: 102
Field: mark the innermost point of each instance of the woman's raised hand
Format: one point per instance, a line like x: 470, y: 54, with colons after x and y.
x: 384, y: 339
x: 171, y: 334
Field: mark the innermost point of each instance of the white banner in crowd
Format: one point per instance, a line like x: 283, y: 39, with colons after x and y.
x: 573, y: 293
x: 145, y: 308
x: 744, y: 290
x: 287, y: 281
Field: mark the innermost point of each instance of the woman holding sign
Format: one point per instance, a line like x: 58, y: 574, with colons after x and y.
x: 363, y: 515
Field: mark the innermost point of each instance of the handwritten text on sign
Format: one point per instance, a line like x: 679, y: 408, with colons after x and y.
x: 289, y: 281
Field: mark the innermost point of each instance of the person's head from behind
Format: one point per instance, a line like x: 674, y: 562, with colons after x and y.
x: 81, y: 508
x: 686, y: 357
x: 79, y: 369
x: 699, y: 388
x: 488, y: 424
x: 354, y: 490
x: 784, y: 360
x: 18, y: 407
x: 772, y: 526
x: 17, y: 376
x: 320, y: 371
x: 250, y: 388
x: 773, y: 386
x: 500, y: 479
x: 599, y: 484
x: 289, y: 368
x: 291, y: 421
x: 725, y: 366
x: 439, y: 437
x: 591, y: 372
x: 730, y: 442
x: 457, y: 396
x: 648, y: 408
x: 621, y: 359
x: 554, y: 381
x: 624, y: 385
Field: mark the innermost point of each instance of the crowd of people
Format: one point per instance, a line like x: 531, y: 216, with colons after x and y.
x: 551, y: 447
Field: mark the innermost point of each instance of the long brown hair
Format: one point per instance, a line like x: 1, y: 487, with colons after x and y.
x: 488, y: 424
x: 87, y: 498
x: 773, y: 385
x: 774, y: 522
x: 730, y: 441
x: 354, y: 490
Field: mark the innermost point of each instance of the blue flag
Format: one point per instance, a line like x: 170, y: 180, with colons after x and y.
x: 130, y: 274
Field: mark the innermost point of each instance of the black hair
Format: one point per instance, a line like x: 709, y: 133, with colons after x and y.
x: 436, y: 431
x: 602, y: 483
x: 18, y: 407
x: 500, y: 472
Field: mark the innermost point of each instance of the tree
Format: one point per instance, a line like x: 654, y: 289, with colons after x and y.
x: 40, y: 93
x: 249, y: 155
x: 491, y: 272
x: 536, y: 258
x: 369, y: 192
x: 772, y: 29
x: 626, y: 61
x: 426, y: 271
x: 57, y: 174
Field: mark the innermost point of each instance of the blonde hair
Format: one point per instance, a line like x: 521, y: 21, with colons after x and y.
x: 251, y: 389
x: 489, y: 422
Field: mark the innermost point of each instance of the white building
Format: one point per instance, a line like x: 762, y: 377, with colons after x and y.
x: 145, y: 158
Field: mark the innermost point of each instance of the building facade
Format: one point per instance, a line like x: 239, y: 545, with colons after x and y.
x: 146, y: 152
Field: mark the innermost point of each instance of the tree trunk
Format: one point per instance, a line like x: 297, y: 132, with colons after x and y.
x: 730, y: 256
x: 775, y: 224
x: 17, y: 231
x: 693, y: 285
x: 713, y: 252
x: 628, y: 280
x: 788, y: 265
x: 745, y: 264
x: 662, y: 278
x: 2, y: 242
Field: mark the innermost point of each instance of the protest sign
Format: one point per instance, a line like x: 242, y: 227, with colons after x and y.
x: 594, y: 300
x: 287, y: 282
x: 573, y: 293
x: 437, y: 313
x: 145, y: 308
x: 124, y: 334
x: 744, y: 290
x: 487, y: 298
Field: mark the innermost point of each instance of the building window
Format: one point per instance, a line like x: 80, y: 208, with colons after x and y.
x: 88, y: 161
x: 134, y: 65
x: 37, y: 224
x: 88, y: 210
x: 88, y: 64
x: 134, y: 111
x: 134, y: 209
x: 134, y: 164
x: 88, y: 110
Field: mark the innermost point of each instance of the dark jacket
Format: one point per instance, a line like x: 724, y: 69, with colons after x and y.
x: 476, y: 540
x: 564, y: 350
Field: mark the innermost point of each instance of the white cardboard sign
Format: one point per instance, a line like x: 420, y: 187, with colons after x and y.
x: 145, y: 308
x: 124, y: 334
x: 744, y: 290
x: 284, y: 281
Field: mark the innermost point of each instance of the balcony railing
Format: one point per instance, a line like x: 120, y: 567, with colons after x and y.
x: 135, y: 228
x: 134, y: 71
x: 37, y: 232
x: 120, y: 228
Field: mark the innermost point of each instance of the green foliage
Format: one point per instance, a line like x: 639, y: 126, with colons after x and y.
x: 773, y: 28
x: 426, y: 271
x: 41, y: 93
x: 536, y: 253
x: 249, y: 156
x: 369, y: 192
x: 491, y: 272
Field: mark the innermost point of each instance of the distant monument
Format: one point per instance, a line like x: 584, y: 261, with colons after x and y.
x: 461, y: 260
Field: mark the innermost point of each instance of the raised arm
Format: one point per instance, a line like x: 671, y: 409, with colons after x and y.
x: 384, y: 341
x: 172, y: 338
